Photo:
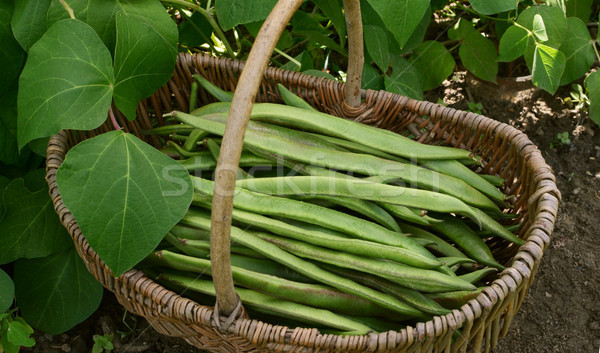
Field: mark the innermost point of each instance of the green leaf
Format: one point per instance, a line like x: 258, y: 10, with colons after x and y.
x: 19, y: 334
x: 491, y: 7
x: 581, y: 9
x: 124, y: 194
x: 12, y: 55
x: 513, y: 43
x: 461, y: 29
x: 194, y: 31
x: 434, y: 63
x: 592, y: 85
x: 57, y: 292
x: 416, y: 38
x: 9, y: 147
x: 7, y: 346
x: 405, y: 79
x: 332, y: 9
x: 234, y: 12
x: 401, y: 17
x: 7, y: 291
x: 376, y: 42
x: 29, y: 21
x: 304, y: 25
x: 548, y: 67
x: 371, y: 78
x: 30, y: 227
x: 550, y: 15
x: 67, y: 82
x: 578, y: 50
x: 145, y: 54
x: 478, y: 54
x: 539, y: 28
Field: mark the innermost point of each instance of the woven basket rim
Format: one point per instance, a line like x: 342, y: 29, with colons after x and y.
x: 527, y: 257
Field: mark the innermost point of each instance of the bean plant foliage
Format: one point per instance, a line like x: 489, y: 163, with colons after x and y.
x: 67, y: 64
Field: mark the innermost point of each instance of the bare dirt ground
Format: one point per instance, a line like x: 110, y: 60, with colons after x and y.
x: 562, y: 310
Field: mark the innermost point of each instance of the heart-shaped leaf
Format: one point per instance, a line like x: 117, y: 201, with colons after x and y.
x: 434, y: 62
x: 29, y: 21
x: 67, y: 82
x: 124, y: 194
x: 145, y: 54
x: 19, y: 334
x: 57, y: 292
x: 539, y: 28
x: 30, y: 227
x: 478, y: 54
x: 513, y: 43
x: 578, y: 50
x: 405, y: 79
x: 401, y: 17
x: 376, y: 42
x: 234, y: 12
x: 548, y: 67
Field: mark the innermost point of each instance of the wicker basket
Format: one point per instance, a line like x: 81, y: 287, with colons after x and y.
x: 482, y: 321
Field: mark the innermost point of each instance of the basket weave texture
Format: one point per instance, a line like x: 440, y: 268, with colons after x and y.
x: 482, y: 321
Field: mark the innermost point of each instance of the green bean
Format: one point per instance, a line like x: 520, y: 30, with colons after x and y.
x: 466, y: 239
x: 183, y: 152
x: 302, y: 211
x: 454, y: 300
x: 451, y: 261
x: 205, y: 161
x: 353, y: 246
x: 410, y: 296
x: 192, y: 140
x: 493, y: 179
x: 202, y: 220
x: 212, y: 108
x: 439, y: 245
x: 457, y: 170
x: 318, y: 185
x: 496, y: 228
x: 291, y: 99
x: 381, y: 139
x: 484, y: 233
x: 170, y: 129
x: 193, y: 96
x: 315, y: 295
x: 275, y: 306
x: 405, y: 213
x: 411, y: 277
x: 475, y: 276
x: 215, y: 149
x: 340, y: 160
x: 363, y: 207
x: 215, y: 91
x: 451, y: 168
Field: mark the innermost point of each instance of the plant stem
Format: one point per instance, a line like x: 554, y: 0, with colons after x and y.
x: 68, y: 8
x: 209, y: 18
x: 114, y: 119
x: 596, y: 50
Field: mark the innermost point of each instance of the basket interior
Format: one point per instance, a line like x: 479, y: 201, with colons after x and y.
x: 505, y: 151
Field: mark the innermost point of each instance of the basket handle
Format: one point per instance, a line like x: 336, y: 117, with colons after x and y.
x: 239, y: 114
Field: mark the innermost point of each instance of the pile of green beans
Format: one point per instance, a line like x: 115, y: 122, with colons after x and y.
x: 336, y: 225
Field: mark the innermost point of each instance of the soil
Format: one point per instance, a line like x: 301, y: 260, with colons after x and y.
x: 561, y: 312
